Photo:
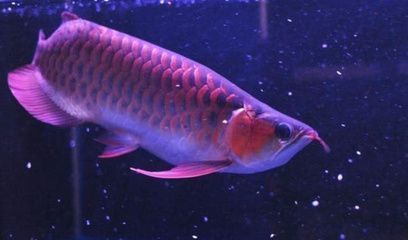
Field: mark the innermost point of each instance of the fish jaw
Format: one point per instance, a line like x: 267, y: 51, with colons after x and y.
x: 278, y: 159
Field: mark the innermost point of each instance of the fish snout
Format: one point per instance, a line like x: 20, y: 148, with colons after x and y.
x: 313, y: 135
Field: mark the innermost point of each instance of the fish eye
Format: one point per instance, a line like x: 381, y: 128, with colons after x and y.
x: 283, y: 131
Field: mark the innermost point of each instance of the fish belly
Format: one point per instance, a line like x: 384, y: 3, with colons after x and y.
x: 178, y: 109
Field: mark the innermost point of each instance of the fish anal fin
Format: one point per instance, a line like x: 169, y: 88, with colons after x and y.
x: 68, y: 16
x: 117, y: 144
x: 24, y: 83
x: 188, y: 170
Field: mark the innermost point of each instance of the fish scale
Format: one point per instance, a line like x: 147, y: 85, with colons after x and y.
x: 100, y: 66
x: 148, y: 96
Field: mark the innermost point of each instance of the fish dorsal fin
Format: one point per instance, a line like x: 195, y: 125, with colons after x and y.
x: 117, y: 144
x: 188, y: 170
x: 68, y: 16
x: 25, y: 84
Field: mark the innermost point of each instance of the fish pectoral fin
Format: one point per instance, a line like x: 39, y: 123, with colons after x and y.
x: 117, y: 144
x: 25, y: 84
x: 188, y: 170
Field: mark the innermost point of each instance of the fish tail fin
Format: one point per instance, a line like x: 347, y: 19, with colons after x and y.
x: 24, y: 83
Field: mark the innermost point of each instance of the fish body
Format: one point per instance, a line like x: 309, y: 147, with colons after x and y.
x: 150, y: 97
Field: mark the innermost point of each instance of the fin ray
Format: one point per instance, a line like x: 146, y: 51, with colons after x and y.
x: 187, y: 170
x: 115, y: 151
x: 117, y: 144
x: 24, y: 83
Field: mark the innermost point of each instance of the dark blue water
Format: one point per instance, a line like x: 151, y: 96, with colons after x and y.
x: 341, y: 67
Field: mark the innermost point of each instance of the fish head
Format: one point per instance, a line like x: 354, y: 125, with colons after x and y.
x: 268, y: 139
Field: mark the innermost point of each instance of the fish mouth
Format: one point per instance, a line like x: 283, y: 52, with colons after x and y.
x: 313, y: 135
x: 301, y: 140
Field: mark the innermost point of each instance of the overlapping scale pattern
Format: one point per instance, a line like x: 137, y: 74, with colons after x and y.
x: 104, y: 69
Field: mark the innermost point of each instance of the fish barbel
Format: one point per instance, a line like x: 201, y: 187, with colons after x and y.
x: 150, y: 97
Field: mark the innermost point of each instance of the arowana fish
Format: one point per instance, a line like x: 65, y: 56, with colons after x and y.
x: 150, y: 97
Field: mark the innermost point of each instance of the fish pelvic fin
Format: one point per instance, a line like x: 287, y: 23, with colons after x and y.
x: 24, y: 83
x: 111, y: 151
x: 117, y: 144
x: 188, y: 170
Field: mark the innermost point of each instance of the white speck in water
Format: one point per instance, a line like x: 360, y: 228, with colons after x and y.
x: 88, y: 222
x: 72, y: 143
x: 357, y: 207
x: 225, y: 121
x: 205, y: 219
x: 260, y: 82
x: 358, y: 152
x: 123, y: 223
x: 324, y: 45
x: 342, y: 236
x: 296, y: 202
x: 58, y: 200
x: 87, y: 129
x: 343, y: 125
x: 289, y: 20
x: 350, y: 160
x: 290, y: 93
x: 338, y: 73
x: 52, y: 227
x: 107, y: 217
x: 315, y: 203
x: 28, y: 165
x: 272, y: 235
x: 326, y: 171
x: 377, y: 185
x: 261, y: 90
x: 194, y: 236
x: 105, y: 191
x: 178, y: 85
x: 340, y: 177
